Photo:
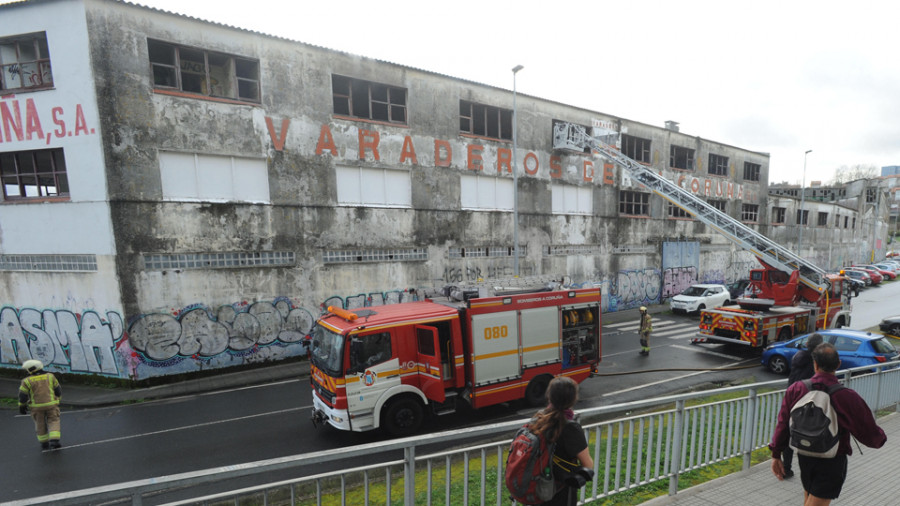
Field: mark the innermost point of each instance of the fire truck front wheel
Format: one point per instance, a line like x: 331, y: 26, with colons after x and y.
x: 536, y: 392
x: 402, y: 417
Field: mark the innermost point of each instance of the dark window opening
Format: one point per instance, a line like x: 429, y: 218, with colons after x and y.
x: 368, y: 100
x: 636, y: 148
x: 676, y: 212
x: 25, y: 63
x: 778, y: 214
x: 751, y: 171
x: 750, y: 212
x: 681, y: 158
x: 718, y: 165
x: 485, y: 120
x: 721, y: 205
x: 634, y: 203
x: 802, y: 217
x: 203, y: 72
x: 822, y: 220
x: 33, y: 174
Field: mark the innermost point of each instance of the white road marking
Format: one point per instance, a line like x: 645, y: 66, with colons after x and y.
x: 186, y: 427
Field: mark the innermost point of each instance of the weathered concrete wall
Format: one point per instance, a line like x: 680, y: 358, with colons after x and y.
x: 157, y: 321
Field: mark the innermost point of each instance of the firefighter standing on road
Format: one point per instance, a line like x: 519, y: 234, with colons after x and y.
x: 646, y: 328
x: 40, y: 392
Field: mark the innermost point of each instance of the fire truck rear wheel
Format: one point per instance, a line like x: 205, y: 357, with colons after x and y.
x: 536, y: 392
x: 402, y: 417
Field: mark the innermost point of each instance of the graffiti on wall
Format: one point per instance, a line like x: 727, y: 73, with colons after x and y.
x: 82, y: 343
x: 677, y: 279
x: 200, y: 332
x: 634, y: 288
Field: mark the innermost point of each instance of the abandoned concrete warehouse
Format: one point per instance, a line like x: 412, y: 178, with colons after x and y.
x: 180, y: 195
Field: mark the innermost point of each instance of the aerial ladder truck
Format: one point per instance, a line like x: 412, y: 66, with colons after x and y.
x: 787, y: 296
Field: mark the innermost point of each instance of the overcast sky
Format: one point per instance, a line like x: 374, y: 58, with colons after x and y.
x: 780, y: 77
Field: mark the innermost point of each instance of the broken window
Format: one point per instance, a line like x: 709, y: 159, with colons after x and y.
x: 368, y: 100
x: 25, y: 63
x: 751, y: 171
x: 847, y: 221
x: 802, y: 217
x: 608, y: 139
x: 636, y: 148
x: 778, y: 214
x: 823, y: 220
x: 681, y: 158
x: 718, y: 165
x: 634, y: 203
x: 485, y: 120
x: 750, y: 212
x: 33, y: 174
x: 203, y: 72
x: 676, y: 212
x: 871, y: 195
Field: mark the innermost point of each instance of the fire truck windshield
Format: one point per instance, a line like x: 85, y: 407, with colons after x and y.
x: 327, y: 351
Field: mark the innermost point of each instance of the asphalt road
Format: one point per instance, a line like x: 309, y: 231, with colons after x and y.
x: 118, y: 444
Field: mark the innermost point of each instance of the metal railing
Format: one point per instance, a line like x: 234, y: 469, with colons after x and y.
x: 645, y: 442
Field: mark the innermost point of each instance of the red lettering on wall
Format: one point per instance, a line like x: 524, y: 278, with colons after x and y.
x: 695, y: 185
x: 368, y: 139
x: 473, y: 158
x: 408, y: 151
x: 707, y: 186
x: 443, y: 155
x: 534, y: 160
x: 587, y: 172
x: 731, y: 190
x: 11, y: 120
x: 33, y: 121
x: 555, y: 167
x: 61, y: 131
x: 326, y: 141
x: 504, y: 156
x: 80, y: 123
x: 609, y: 177
x: 278, y: 140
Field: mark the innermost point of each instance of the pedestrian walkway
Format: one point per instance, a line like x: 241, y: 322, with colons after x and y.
x: 871, y: 479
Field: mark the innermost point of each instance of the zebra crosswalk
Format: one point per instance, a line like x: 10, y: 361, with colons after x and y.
x: 672, y: 329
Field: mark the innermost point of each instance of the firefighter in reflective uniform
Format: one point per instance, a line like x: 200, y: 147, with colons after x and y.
x: 646, y: 328
x: 40, y: 393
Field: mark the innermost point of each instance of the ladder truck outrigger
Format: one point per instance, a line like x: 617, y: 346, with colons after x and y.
x: 788, y: 296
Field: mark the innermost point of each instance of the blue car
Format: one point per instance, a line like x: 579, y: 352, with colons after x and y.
x: 855, y: 348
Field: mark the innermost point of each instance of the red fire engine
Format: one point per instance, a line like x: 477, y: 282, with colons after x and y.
x: 776, y: 307
x: 386, y: 366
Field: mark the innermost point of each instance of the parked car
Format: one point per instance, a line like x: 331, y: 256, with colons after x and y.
x: 890, y: 325
x: 888, y: 266
x: 854, y: 285
x: 737, y: 288
x: 858, y: 276
x: 856, y: 348
x: 875, y: 275
x: 888, y: 274
x: 699, y: 297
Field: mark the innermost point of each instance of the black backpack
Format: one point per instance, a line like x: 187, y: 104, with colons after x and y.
x: 814, y: 424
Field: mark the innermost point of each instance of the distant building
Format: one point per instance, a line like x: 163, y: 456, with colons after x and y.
x: 891, y: 170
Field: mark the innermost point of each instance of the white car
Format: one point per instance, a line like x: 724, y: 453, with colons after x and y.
x: 699, y: 297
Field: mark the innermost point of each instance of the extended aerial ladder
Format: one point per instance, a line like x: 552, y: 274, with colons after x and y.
x: 812, y: 280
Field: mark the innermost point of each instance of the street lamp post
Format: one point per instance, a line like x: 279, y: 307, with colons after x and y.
x: 515, y: 69
x: 802, y: 202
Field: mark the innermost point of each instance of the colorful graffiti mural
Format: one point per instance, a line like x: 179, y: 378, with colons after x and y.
x: 80, y: 343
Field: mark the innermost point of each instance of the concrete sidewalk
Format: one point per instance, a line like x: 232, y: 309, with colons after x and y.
x: 870, y: 480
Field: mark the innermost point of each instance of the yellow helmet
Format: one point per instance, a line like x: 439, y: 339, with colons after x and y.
x: 32, y: 366
x: 644, y: 308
